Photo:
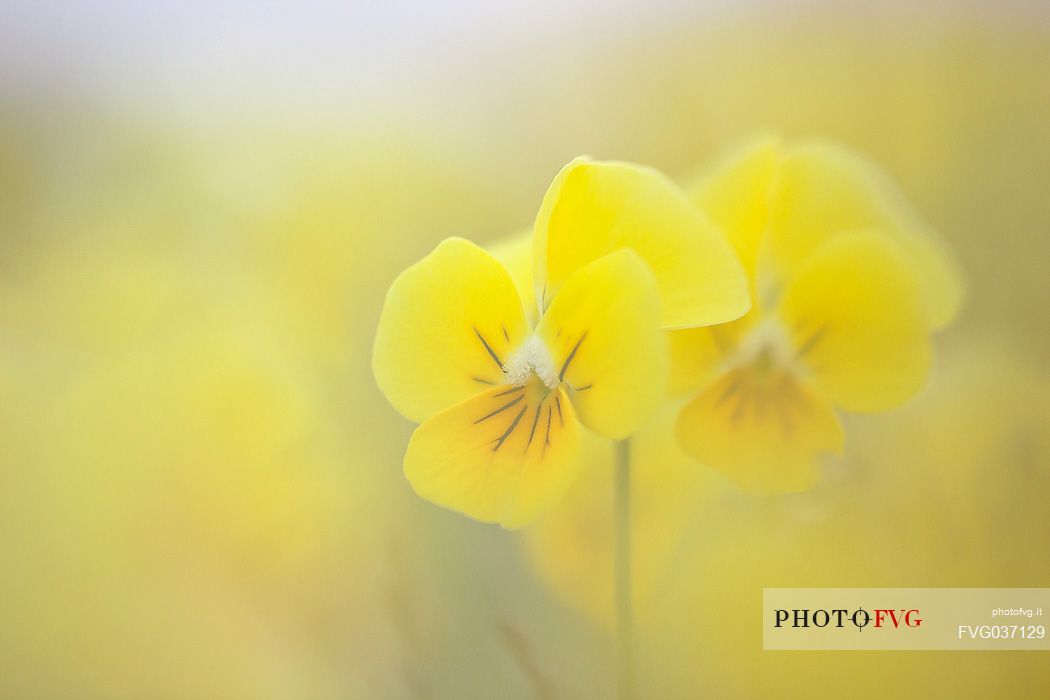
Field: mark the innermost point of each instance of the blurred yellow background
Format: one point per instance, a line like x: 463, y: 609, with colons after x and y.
x: 200, y: 211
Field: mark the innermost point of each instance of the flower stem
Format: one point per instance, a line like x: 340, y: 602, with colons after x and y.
x: 622, y: 573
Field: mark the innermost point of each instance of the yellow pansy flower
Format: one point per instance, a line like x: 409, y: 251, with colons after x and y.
x: 502, y: 382
x: 848, y: 287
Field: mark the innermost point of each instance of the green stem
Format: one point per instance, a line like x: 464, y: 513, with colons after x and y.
x: 622, y: 573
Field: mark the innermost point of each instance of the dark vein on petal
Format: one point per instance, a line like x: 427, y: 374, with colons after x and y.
x: 483, y: 381
x: 535, y: 421
x: 510, y: 430
x: 506, y: 336
x: 488, y: 348
x: 741, y: 403
x: 550, y: 414
x: 568, y: 360
x: 502, y: 408
x: 557, y: 402
x: 801, y: 402
x: 582, y: 388
x: 509, y: 391
x: 812, y: 340
x: 734, y: 386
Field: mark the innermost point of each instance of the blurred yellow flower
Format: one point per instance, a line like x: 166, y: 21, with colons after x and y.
x: 948, y: 489
x: 618, y: 254
x: 848, y: 287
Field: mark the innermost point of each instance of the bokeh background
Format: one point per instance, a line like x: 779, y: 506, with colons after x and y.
x: 201, y: 207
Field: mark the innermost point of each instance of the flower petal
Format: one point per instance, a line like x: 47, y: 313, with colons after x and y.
x: 697, y: 353
x: 762, y: 428
x: 593, y: 209
x: 826, y: 190
x: 502, y: 456
x: 854, y: 314
x: 603, y: 333
x: 448, y: 324
x: 736, y: 193
x: 515, y: 252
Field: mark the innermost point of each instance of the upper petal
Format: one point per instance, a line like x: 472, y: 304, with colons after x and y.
x: 594, y: 208
x: 448, y: 324
x: 503, y: 456
x: 736, y: 192
x: 603, y: 333
x: 855, y: 317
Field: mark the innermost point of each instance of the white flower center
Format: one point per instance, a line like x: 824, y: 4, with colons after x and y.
x: 531, y: 358
x: 767, y: 342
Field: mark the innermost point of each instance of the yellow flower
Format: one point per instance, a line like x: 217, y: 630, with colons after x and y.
x: 848, y: 287
x: 501, y: 383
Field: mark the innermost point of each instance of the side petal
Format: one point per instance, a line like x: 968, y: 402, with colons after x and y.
x: 448, y: 324
x: 594, y: 208
x: 603, y: 334
x: 697, y: 353
x: 502, y: 457
x: 855, y: 317
x: 826, y: 190
x: 765, y: 431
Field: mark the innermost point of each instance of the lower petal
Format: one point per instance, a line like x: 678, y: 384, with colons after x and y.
x: 502, y: 456
x: 763, y: 429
